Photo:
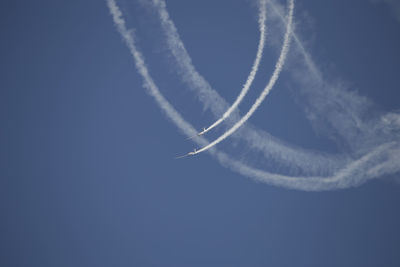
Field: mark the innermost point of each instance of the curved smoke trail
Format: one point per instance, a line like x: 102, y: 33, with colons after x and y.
x: 267, y: 89
x: 373, y: 164
x: 334, y: 106
x: 253, y: 72
x: 273, y: 149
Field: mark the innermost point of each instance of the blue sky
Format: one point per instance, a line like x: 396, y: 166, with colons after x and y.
x: 88, y: 175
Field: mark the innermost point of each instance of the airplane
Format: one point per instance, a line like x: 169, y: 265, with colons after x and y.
x: 199, y: 134
x: 188, y: 154
x: 202, y: 132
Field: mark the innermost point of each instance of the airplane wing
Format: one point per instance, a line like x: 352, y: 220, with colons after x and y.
x: 202, y: 132
x: 198, y: 134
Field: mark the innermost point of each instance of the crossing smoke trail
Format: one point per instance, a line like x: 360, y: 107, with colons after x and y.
x: 377, y: 162
x: 270, y: 85
x: 273, y: 150
x: 340, y: 107
x: 254, y: 69
x: 333, y: 110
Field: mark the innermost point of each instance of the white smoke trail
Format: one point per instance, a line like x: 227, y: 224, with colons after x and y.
x: 253, y: 72
x: 273, y: 149
x: 141, y: 67
x: 331, y: 108
x: 371, y: 165
x: 291, y: 159
x: 267, y: 89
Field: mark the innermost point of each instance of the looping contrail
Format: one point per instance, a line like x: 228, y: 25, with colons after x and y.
x: 291, y: 157
x: 381, y: 159
x: 253, y: 72
x: 267, y: 89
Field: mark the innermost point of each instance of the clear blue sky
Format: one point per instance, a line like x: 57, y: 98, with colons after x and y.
x: 87, y: 169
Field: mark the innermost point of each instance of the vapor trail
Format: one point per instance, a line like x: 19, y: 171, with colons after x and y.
x: 141, y: 67
x: 267, y: 89
x: 272, y: 148
x: 380, y: 160
x: 253, y: 72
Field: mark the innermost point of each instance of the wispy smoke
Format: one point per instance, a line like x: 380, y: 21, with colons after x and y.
x: 378, y: 159
x: 267, y: 89
x: 253, y: 72
x: 272, y: 149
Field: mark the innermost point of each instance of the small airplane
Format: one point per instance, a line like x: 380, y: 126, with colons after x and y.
x: 188, y: 154
x: 199, y: 134
x: 202, y: 132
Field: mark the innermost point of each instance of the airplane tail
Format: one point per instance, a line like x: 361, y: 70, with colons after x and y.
x: 198, y: 134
